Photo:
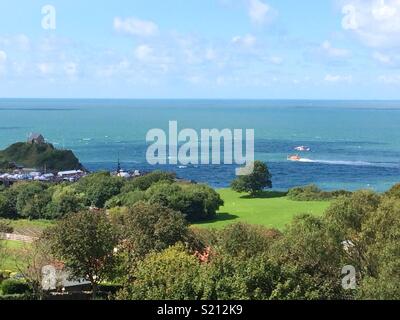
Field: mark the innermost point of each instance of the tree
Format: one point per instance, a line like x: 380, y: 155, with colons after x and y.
x: 144, y: 182
x: 125, y: 199
x: 31, y: 199
x: 394, y: 191
x: 311, y: 259
x: 30, y: 261
x: 99, y: 187
x: 231, y: 278
x: 5, y: 226
x: 381, y: 236
x: 85, y: 241
x: 64, y: 200
x: 149, y: 227
x: 255, y: 182
x: 172, y: 274
x: 346, y: 217
x: 6, y: 207
x: 245, y: 240
x: 195, y: 201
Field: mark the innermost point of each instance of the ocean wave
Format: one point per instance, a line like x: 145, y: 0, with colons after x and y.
x: 352, y: 163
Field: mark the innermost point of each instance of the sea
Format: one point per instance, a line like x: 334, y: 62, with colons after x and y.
x: 354, y: 144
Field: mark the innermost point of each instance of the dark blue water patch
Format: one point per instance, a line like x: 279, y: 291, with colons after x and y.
x: 38, y: 109
x: 285, y: 175
x: 10, y: 128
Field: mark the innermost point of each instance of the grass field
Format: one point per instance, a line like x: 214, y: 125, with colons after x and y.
x: 271, y: 209
x: 31, y: 228
x: 12, y: 248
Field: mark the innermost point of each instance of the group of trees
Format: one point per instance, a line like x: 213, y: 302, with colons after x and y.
x: 151, y: 250
x: 143, y: 241
x: 36, y: 200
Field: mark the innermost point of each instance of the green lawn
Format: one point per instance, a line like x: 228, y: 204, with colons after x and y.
x: 32, y: 228
x: 10, y: 255
x: 272, y: 209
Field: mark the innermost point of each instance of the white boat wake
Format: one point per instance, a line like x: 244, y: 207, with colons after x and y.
x: 349, y: 163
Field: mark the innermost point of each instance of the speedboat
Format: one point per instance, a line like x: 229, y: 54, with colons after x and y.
x: 294, y: 157
x: 302, y: 148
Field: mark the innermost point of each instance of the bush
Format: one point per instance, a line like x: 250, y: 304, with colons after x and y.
x: 4, y: 274
x: 99, y: 187
x: 144, y: 182
x: 11, y: 286
x: 394, y: 192
x: 313, y: 193
x: 5, y: 227
x: 196, y: 202
x: 14, y: 297
x: 125, y: 199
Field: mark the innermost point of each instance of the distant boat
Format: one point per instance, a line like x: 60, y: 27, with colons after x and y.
x: 302, y: 148
x: 294, y: 157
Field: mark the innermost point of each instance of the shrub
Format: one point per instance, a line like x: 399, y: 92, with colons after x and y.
x: 196, y: 202
x: 5, y: 227
x: 11, y: 286
x: 145, y: 182
x: 313, y: 193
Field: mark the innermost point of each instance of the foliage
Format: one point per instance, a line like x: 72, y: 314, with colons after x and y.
x: 230, y: 278
x: 245, y: 240
x: 149, y: 227
x: 85, y: 241
x: 32, y: 200
x: 99, y: 187
x: 313, y: 193
x: 311, y: 259
x: 40, y: 156
x: 125, y: 199
x: 6, y: 207
x: 196, y: 202
x: 380, y: 236
x: 172, y: 274
x: 144, y: 182
x: 255, y: 182
x: 12, y: 286
x: 64, y: 200
x: 5, y: 226
x: 393, y: 192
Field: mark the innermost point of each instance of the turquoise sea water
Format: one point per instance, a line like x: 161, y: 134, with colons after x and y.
x: 354, y: 144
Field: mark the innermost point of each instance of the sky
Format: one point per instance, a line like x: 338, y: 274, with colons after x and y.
x: 210, y: 49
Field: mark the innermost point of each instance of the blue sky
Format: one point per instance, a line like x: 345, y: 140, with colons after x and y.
x: 262, y: 49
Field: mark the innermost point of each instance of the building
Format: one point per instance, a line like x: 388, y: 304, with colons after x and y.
x: 36, y: 138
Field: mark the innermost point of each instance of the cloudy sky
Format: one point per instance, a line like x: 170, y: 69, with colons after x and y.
x: 309, y: 49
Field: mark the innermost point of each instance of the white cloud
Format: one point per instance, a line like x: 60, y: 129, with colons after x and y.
x: 210, y: 54
x: 45, y: 68
x: 136, y: 27
x: 332, y: 78
x: 23, y: 42
x: 332, y: 52
x: 246, y: 41
x: 389, y: 79
x: 375, y: 22
x: 3, y: 57
x: 143, y: 52
x: 382, y: 58
x: 258, y: 11
x: 276, y: 60
x: 71, y: 69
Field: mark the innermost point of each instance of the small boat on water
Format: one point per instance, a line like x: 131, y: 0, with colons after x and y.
x: 302, y: 148
x: 294, y: 157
